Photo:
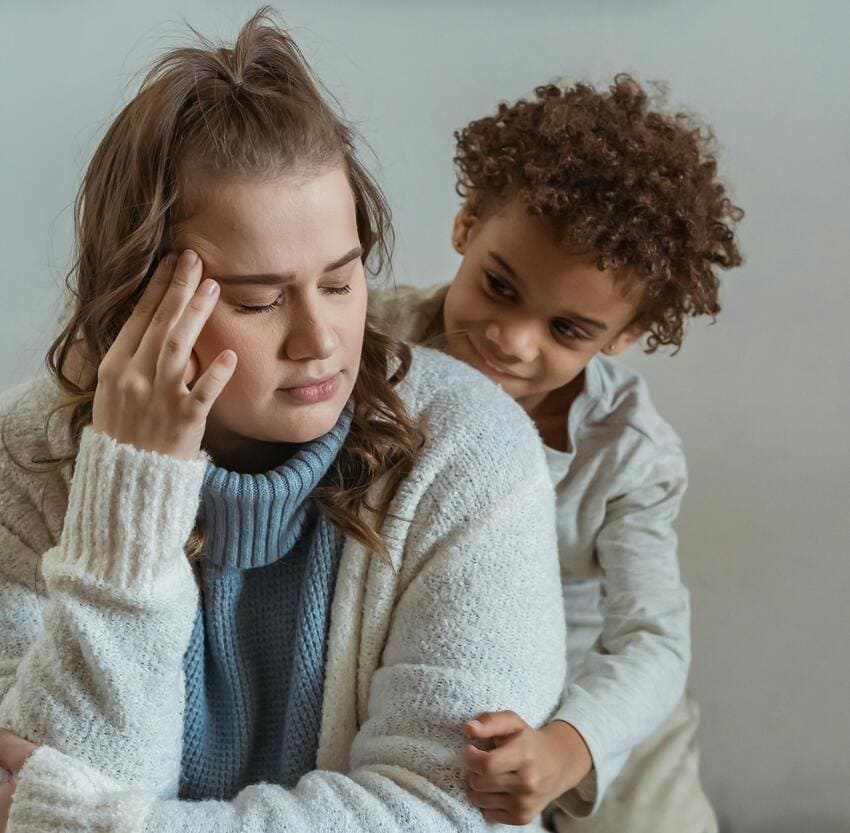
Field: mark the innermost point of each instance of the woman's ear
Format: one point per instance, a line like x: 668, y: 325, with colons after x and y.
x: 463, y: 223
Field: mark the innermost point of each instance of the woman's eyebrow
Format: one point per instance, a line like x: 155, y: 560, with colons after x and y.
x: 284, y: 277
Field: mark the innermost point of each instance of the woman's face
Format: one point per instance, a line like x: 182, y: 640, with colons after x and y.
x: 287, y: 256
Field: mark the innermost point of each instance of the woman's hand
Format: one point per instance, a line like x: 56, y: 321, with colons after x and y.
x: 142, y: 396
x: 14, y: 752
x: 527, y: 769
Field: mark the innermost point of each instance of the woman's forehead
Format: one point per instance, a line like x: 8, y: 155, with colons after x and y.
x: 268, y: 224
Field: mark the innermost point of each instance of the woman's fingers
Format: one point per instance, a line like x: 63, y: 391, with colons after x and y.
x: 177, y: 348
x: 184, y: 283
x: 142, y: 399
x: 193, y: 367
x: 211, y: 383
x: 130, y: 336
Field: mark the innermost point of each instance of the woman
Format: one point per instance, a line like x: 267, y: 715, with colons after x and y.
x: 370, y: 530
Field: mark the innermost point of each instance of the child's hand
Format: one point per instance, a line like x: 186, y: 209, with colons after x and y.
x: 142, y: 396
x: 527, y: 769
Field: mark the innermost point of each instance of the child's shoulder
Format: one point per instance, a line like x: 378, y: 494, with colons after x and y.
x: 406, y: 311
x: 623, y: 404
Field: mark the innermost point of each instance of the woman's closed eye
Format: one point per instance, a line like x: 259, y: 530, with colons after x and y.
x: 262, y: 307
x: 326, y: 290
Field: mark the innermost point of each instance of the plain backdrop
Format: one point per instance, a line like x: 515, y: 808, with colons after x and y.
x: 760, y: 399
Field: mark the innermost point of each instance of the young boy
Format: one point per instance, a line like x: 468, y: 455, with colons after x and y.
x: 590, y: 221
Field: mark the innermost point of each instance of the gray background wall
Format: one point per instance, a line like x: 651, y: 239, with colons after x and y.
x: 761, y: 398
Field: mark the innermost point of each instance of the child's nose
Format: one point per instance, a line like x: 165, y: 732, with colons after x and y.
x: 512, y: 341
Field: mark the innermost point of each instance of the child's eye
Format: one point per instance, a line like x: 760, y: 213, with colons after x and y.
x: 497, y: 286
x: 566, y: 330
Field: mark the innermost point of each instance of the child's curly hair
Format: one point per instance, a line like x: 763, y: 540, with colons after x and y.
x: 636, y: 187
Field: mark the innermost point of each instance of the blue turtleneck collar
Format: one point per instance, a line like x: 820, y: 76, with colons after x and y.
x: 252, y: 520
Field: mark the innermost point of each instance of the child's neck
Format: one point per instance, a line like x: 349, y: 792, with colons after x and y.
x: 551, y: 414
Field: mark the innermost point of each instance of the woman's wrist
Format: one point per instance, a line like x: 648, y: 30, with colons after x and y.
x: 129, y: 515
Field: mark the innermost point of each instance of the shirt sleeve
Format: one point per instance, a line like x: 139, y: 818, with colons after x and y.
x: 635, y: 674
x: 474, y: 594
x: 118, y: 566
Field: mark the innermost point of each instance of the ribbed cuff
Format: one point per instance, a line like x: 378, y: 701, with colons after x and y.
x: 58, y: 794
x: 130, y: 511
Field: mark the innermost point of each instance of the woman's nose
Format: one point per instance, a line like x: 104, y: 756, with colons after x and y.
x: 311, y: 334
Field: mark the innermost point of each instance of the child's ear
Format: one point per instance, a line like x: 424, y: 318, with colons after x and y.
x: 463, y: 224
x: 623, y: 341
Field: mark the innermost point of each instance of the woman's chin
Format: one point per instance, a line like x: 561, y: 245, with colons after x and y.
x: 309, y: 422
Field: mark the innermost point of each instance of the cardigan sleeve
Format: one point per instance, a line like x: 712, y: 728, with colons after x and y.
x: 635, y: 674
x: 478, y: 617
x: 118, y: 569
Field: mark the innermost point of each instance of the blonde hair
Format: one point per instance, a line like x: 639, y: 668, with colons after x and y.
x: 253, y: 109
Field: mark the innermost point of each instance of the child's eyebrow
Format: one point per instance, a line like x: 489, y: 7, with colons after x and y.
x: 581, y: 319
x: 506, y: 266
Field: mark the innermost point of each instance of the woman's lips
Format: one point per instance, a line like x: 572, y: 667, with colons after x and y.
x: 312, y: 392
x: 492, y: 363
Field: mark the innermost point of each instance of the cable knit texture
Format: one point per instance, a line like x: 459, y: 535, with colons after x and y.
x: 255, y: 664
x: 464, y: 616
x: 618, y: 489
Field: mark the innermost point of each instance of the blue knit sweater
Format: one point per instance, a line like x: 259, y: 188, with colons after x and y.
x: 255, y: 663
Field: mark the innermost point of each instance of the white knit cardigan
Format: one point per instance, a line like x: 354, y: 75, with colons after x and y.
x: 97, y: 601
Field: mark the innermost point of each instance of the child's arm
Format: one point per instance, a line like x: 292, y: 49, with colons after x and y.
x: 631, y: 680
x: 635, y: 674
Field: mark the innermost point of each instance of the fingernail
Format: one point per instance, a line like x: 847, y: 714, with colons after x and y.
x: 209, y: 287
x: 188, y: 259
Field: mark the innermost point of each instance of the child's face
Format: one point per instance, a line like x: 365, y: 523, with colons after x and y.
x: 300, y: 237
x: 525, y: 312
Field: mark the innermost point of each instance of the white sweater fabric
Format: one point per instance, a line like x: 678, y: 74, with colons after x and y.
x: 618, y: 489
x: 97, y: 601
